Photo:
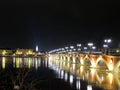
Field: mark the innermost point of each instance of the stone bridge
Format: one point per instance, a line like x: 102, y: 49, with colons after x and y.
x: 107, y: 62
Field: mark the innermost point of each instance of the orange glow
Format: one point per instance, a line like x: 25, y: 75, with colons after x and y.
x: 93, y: 75
x: 29, y: 52
x: 93, y: 63
x: 99, y: 76
x: 110, y: 76
x: 111, y: 65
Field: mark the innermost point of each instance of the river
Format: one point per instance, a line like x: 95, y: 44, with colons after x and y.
x: 46, y: 74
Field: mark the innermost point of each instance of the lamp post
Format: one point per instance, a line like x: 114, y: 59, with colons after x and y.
x: 106, y: 45
x: 71, y: 48
x: 93, y: 47
x: 79, y: 47
x: 66, y: 48
x: 90, y: 45
x: 85, y: 49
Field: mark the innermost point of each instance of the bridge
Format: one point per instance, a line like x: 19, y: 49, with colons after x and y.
x: 101, y: 61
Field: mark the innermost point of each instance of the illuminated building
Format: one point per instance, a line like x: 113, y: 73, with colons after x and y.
x: 24, y: 52
x: 4, y: 52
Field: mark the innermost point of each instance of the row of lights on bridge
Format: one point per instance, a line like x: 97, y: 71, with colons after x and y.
x: 73, y: 49
x: 90, y: 47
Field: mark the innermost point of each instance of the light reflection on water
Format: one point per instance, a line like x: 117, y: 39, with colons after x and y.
x: 71, y: 79
x: 78, y: 84
x: 3, y: 62
x: 21, y: 62
x: 89, y: 87
x: 95, y: 77
x: 72, y: 73
x: 66, y: 76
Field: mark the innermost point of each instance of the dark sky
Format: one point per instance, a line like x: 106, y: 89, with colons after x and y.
x: 57, y: 23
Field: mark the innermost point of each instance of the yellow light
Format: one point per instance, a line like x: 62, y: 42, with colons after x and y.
x: 111, y: 61
x: 29, y: 52
x: 36, y: 63
x: 93, y: 71
x: 111, y: 65
x: 17, y: 62
x: 93, y: 63
x: 18, y: 52
x: 73, y: 67
x: 117, y: 50
x: 14, y: 54
x: 3, y: 62
x: 69, y: 59
x: 81, y: 69
x: 4, y: 52
x: 81, y: 59
x: 29, y: 63
x: 73, y: 59
x: 110, y: 75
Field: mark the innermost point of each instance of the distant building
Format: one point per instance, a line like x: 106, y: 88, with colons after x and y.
x: 24, y: 52
x: 6, y: 52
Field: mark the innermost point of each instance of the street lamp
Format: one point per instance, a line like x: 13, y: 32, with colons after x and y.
x: 107, y: 40
x: 74, y: 49
x: 90, y: 45
x: 93, y: 47
x: 79, y: 45
x: 78, y: 49
x: 106, y: 44
x: 85, y: 48
x: 71, y: 47
x: 66, y: 47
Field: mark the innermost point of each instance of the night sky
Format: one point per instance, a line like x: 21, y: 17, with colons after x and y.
x: 58, y: 23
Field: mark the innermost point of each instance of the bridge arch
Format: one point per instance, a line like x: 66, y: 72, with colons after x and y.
x: 101, y: 63
x: 87, y: 61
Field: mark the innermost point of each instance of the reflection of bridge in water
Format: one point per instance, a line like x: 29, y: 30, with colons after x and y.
x: 100, y: 70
